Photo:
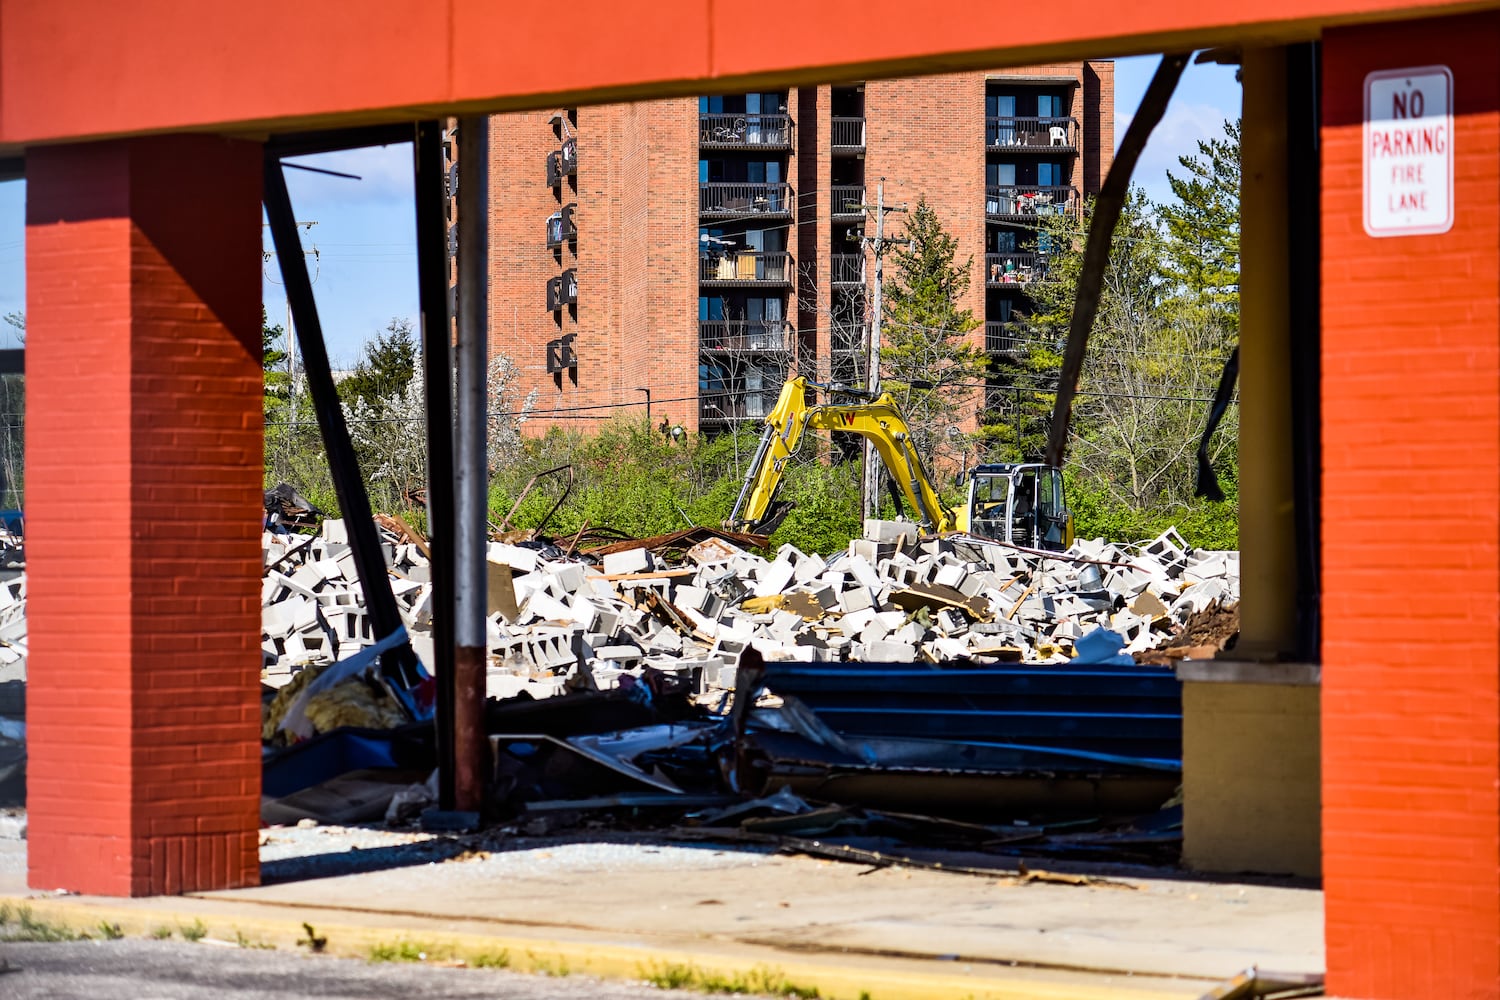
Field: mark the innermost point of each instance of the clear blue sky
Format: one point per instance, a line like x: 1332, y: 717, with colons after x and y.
x: 366, y: 265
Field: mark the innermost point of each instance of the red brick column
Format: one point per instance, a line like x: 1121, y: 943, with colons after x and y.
x: 143, y: 454
x: 1411, y: 525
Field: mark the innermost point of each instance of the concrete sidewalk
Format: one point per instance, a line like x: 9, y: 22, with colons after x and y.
x: 622, y: 909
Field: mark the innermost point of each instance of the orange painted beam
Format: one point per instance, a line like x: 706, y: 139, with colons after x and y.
x: 83, y: 69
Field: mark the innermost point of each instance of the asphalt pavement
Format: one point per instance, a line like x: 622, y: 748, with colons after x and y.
x: 175, y: 970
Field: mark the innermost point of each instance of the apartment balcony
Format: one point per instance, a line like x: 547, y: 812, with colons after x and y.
x: 847, y: 136
x: 722, y: 409
x: 841, y: 197
x: 561, y: 228
x: 562, y: 162
x: 1005, y: 338
x: 1007, y: 269
x: 744, y: 131
x: 736, y: 200
x: 1040, y: 135
x: 745, y: 269
x: 560, y: 354
x: 848, y: 269
x: 847, y: 338
x: 562, y: 290
x: 1023, y: 203
x: 731, y: 336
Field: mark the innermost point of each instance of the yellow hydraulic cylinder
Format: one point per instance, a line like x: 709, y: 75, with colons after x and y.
x: 1268, y: 558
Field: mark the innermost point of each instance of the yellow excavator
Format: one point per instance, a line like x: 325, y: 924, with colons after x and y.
x: 1021, y: 504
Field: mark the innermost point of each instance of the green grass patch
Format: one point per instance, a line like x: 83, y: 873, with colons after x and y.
x: 491, y: 960
x: 21, y: 924
x: 109, y: 931
x: 162, y: 932
x: 409, y: 951
x: 195, y: 931
x: 759, y: 981
x: 558, y: 968
x: 245, y: 941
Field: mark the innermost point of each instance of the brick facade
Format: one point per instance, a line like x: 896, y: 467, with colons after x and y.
x: 143, y: 460
x: 1411, y: 636
x: 637, y: 256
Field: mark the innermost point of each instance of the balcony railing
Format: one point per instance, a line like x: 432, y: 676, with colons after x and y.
x: 562, y: 162
x: 760, y: 336
x: 562, y: 290
x: 1005, y: 338
x: 727, y: 198
x: 846, y: 338
x: 734, y: 131
x: 720, y: 407
x: 844, y: 195
x: 746, y: 268
x: 1031, y: 133
x: 1013, y: 268
x: 848, y: 269
x: 848, y: 135
x: 560, y: 227
x: 1008, y: 202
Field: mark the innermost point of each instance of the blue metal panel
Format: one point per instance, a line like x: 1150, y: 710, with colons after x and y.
x: 1129, y: 711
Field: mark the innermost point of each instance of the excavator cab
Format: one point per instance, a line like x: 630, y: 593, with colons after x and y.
x: 1022, y: 504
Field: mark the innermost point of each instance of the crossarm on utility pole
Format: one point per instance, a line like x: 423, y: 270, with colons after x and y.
x: 1107, y: 208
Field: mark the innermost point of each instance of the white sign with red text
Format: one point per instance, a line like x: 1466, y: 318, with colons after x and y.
x: 1409, y: 151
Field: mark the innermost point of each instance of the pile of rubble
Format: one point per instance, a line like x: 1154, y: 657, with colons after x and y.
x: 890, y: 597
x: 312, y: 608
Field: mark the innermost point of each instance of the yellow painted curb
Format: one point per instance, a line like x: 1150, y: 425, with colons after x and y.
x: 835, y: 979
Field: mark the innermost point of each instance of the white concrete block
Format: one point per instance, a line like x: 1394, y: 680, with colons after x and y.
x: 629, y: 561
x: 897, y: 532
x: 518, y: 559
x: 887, y: 651
x: 775, y: 579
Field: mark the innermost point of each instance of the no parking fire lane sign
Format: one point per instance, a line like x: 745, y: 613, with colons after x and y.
x: 1408, y: 135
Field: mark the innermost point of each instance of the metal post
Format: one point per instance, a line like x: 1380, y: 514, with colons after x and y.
x: 1268, y: 524
x: 870, y: 490
x: 399, y: 663
x: 471, y: 473
x: 437, y: 368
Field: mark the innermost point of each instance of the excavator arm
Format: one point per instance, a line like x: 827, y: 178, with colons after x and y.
x: 879, y: 421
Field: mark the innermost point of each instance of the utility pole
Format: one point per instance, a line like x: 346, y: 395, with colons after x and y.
x: 869, y: 487
x: 470, y: 534
x: 291, y: 333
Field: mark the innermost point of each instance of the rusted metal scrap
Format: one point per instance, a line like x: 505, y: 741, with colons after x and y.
x: 674, y: 545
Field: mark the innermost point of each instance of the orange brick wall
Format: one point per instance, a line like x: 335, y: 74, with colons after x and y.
x: 1096, y: 118
x: 143, y: 458
x: 812, y: 229
x: 1411, y: 612
x: 636, y: 192
x: 637, y: 216
x: 663, y: 339
x: 925, y: 136
x: 520, y: 261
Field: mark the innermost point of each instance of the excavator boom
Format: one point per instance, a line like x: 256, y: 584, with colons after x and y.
x: 879, y: 421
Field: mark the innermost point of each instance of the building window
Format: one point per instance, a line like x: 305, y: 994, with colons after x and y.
x: 1050, y: 175
x: 713, y: 378
x: 1000, y: 105
x: 1049, y: 106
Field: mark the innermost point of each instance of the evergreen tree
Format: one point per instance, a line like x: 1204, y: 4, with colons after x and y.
x: 1203, y: 228
x: 928, y: 361
x: 276, y: 381
x: 384, y: 370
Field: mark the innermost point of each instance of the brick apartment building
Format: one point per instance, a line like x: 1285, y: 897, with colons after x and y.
x: 693, y: 252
